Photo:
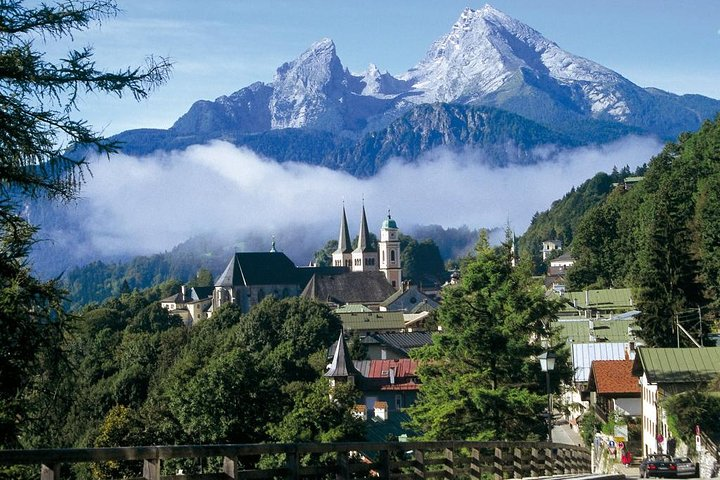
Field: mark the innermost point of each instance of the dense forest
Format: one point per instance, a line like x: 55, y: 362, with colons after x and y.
x: 131, y: 374
x: 561, y: 220
x: 659, y: 236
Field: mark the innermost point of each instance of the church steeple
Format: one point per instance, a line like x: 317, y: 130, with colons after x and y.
x: 342, y: 257
x: 364, y: 235
x: 342, y: 368
x: 364, y: 257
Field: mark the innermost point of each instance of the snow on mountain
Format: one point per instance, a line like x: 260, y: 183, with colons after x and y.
x: 309, y: 91
x: 487, y: 58
x: 486, y: 49
x: 382, y: 85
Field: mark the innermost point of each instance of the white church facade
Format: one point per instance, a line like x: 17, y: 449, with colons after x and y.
x: 365, y: 257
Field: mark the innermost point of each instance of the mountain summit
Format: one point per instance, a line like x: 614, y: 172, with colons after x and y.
x: 316, y: 110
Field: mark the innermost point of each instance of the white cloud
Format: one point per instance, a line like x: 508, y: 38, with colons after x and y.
x: 146, y: 205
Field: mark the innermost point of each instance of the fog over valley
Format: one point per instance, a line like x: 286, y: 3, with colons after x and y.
x: 144, y: 205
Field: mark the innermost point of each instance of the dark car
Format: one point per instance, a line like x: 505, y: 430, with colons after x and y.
x: 684, y: 467
x: 658, y: 465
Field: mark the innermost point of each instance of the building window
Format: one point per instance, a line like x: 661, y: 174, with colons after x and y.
x: 398, y: 402
x: 392, y: 256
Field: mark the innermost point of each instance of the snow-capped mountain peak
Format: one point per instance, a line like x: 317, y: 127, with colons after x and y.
x: 306, y: 91
x: 487, y: 51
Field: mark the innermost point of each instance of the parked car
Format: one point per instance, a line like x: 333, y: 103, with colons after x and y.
x: 658, y: 465
x: 685, y: 468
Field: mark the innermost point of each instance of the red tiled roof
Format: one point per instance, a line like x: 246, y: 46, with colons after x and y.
x: 404, y: 367
x: 613, y: 377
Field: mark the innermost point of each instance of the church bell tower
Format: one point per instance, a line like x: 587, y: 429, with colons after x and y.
x: 389, y: 249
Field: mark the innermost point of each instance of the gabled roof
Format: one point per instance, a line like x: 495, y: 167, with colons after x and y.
x: 677, y: 365
x: 400, y: 341
x: 258, y: 268
x: 201, y: 293
x: 565, y: 257
x: 613, y: 377
x: 410, y: 298
x: 372, y: 321
x: 368, y: 288
x: 342, y: 364
x: 404, y: 368
x: 580, y: 331
x: 583, y: 354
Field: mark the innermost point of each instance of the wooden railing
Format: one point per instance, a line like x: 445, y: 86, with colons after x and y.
x: 391, y: 460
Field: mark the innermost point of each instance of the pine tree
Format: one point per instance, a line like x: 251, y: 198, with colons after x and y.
x: 479, y: 377
x: 39, y: 143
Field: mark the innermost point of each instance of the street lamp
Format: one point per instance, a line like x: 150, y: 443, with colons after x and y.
x: 547, y: 364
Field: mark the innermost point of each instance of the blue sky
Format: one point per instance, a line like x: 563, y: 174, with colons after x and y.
x: 219, y: 47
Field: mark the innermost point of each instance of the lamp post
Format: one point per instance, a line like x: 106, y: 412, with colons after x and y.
x: 547, y: 364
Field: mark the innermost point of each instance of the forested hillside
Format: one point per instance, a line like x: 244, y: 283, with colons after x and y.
x: 561, y: 221
x: 134, y: 375
x: 661, y: 237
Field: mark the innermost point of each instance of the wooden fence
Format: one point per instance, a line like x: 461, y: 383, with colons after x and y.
x: 390, y: 460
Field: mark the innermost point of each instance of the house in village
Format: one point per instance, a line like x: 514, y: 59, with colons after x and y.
x: 555, y: 277
x: 549, y: 247
x: 663, y: 372
x: 190, y: 304
x: 386, y: 386
x: 613, y: 389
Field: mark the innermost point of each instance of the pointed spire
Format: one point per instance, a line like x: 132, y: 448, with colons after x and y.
x: 364, y: 236
x: 344, y: 242
x: 342, y: 364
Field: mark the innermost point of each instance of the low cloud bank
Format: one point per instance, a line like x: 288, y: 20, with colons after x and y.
x: 146, y: 205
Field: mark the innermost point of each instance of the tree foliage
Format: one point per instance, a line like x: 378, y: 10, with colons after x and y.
x: 660, y: 237
x: 38, y: 135
x: 479, y: 377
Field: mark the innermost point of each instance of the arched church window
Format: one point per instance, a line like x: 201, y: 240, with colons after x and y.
x: 392, y: 256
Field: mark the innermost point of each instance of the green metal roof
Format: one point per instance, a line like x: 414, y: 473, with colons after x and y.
x: 373, y: 321
x: 614, y: 331
x: 678, y: 365
x: 610, y: 299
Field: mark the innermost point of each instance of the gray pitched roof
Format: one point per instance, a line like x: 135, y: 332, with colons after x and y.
x: 259, y: 268
x: 400, y: 341
x: 408, y: 299
x: 342, y: 364
x: 349, y: 287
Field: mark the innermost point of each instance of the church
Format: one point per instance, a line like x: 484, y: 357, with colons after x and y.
x: 365, y: 275
x: 365, y: 258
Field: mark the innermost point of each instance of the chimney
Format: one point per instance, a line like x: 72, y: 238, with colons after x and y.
x: 392, y: 375
x: 183, y: 292
x: 381, y: 411
x: 360, y: 411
